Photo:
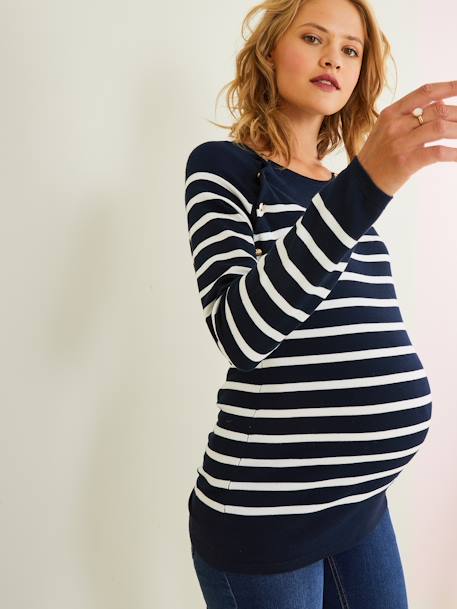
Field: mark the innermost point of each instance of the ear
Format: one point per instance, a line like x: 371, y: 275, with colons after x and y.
x: 270, y: 61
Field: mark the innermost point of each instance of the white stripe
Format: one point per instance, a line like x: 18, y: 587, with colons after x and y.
x: 367, y: 237
x: 294, y: 272
x: 275, y: 296
x: 224, y: 256
x: 339, y: 303
x: 385, y: 434
x: 347, y: 329
x: 284, y: 509
x: 255, y: 316
x: 328, y: 385
x: 215, y: 306
x: 213, y: 177
x: 213, y: 215
x: 310, y: 461
x: 318, y: 254
x: 218, y: 238
x: 276, y: 208
x: 371, y: 257
x: 233, y: 270
x: 350, y: 276
x: 246, y: 349
x: 332, y: 223
x: 233, y: 485
x: 343, y: 356
x: 272, y: 235
x: 326, y: 411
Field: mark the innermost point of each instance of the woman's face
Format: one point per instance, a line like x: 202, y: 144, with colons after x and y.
x: 305, y: 51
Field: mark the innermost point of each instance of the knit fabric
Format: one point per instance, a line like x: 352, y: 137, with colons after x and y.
x: 325, y: 400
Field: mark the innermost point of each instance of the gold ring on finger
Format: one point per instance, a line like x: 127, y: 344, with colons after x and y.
x: 418, y: 112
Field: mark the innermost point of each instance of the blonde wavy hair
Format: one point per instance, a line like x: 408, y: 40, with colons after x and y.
x: 253, y: 93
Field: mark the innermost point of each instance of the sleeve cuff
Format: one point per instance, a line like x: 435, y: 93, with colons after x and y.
x: 375, y: 195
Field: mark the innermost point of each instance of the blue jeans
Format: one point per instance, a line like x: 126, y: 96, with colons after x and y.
x: 367, y: 576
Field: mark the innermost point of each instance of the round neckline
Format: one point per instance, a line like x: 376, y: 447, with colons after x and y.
x: 300, y: 175
x: 282, y: 168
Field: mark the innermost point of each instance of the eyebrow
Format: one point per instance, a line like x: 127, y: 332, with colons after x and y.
x: 323, y: 29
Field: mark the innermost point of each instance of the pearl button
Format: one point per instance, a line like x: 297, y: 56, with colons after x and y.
x: 260, y: 209
x: 258, y: 175
x: 258, y: 251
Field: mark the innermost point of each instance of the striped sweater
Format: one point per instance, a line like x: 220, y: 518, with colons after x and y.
x: 325, y: 400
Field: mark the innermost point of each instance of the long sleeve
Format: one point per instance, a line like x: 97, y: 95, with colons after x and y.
x: 251, y: 305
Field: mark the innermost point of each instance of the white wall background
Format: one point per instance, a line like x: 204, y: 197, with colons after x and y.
x: 105, y: 405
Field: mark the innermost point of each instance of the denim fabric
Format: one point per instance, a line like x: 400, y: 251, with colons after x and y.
x: 367, y: 576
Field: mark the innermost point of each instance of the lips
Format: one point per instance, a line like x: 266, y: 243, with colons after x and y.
x: 324, y: 86
x: 328, y: 77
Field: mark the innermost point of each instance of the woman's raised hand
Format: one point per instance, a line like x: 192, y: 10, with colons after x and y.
x: 395, y: 149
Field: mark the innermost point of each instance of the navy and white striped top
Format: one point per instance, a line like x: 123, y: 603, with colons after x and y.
x: 325, y: 400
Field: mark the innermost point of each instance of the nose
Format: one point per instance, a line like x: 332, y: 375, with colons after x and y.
x: 333, y: 64
x: 330, y: 58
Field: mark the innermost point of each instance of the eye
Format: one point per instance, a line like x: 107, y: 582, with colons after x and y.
x: 310, y: 36
x: 356, y: 54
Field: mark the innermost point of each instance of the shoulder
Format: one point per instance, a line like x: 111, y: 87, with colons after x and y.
x: 226, y: 163
x: 224, y: 157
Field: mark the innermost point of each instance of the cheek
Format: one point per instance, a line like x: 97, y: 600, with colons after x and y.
x: 356, y: 75
x: 294, y: 61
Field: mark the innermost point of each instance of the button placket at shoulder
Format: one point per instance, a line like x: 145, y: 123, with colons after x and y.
x: 259, y: 211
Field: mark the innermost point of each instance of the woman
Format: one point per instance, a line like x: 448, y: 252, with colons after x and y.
x: 325, y: 399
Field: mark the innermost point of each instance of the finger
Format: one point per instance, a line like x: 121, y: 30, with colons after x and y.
x: 439, y: 109
x: 431, y: 112
x: 430, y: 132
x: 424, y: 156
x: 407, y: 122
x: 424, y: 95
